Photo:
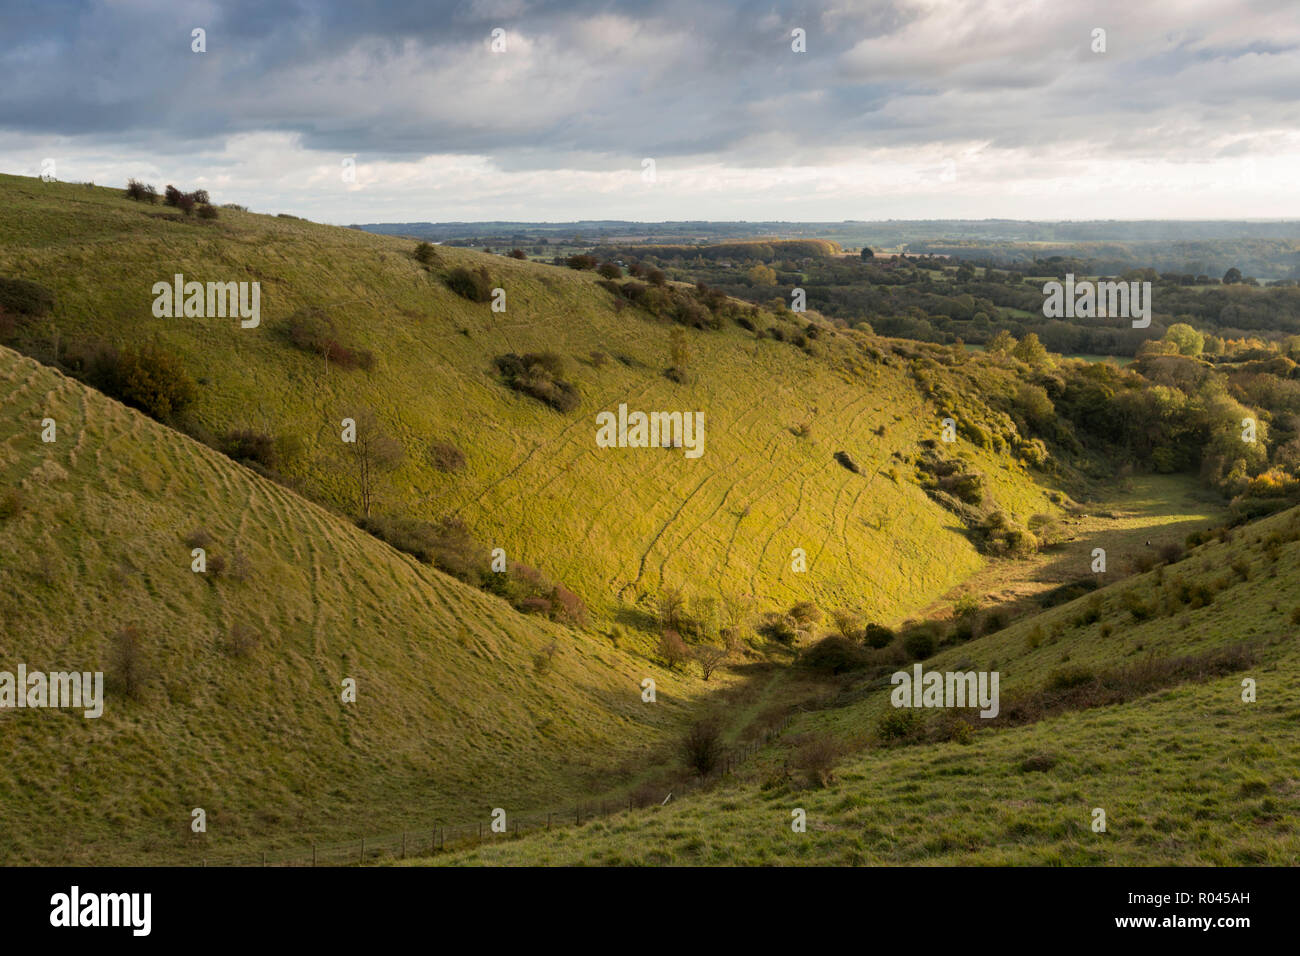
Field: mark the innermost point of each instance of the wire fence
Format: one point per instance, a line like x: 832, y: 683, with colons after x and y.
x: 439, y: 838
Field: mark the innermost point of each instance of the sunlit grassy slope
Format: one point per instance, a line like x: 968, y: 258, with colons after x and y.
x: 1189, y: 774
x: 616, y: 525
x: 450, y: 718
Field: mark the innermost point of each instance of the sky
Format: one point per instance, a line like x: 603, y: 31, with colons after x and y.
x: 675, y: 110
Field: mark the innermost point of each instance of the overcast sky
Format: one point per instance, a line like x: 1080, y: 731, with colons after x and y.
x: 904, y: 109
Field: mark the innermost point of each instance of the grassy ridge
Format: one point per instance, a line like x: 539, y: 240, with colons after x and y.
x: 609, y: 522
x: 450, y: 718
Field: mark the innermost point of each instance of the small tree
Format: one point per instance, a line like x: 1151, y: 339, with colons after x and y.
x: 710, y: 658
x: 127, y: 661
x: 1001, y: 344
x: 702, y: 747
x: 1030, y: 350
x: 672, y: 609
x: 679, y: 352
x: 425, y: 253
x: 846, y: 622
x: 672, y: 649
x: 372, y: 455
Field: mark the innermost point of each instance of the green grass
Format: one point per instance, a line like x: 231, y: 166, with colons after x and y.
x: 616, y: 525
x: 1187, y: 775
x: 452, y: 718
x: 450, y: 715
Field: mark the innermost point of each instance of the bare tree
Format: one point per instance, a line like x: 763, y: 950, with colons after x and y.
x: 371, y: 454
x: 709, y: 658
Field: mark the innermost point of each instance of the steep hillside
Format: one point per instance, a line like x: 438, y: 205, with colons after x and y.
x: 231, y: 698
x: 618, y: 526
x: 1129, y: 700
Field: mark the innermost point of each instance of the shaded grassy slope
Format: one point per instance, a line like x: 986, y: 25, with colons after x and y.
x: 1187, y: 774
x: 610, y: 523
x: 450, y: 716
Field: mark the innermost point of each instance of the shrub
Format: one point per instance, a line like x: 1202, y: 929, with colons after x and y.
x: 216, y: 566
x: 542, y: 659
x: 877, y: 636
x: 172, y: 196
x: 446, y: 543
x: 816, y: 759
x: 250, y: 447
x: 537, y: 374
x: 701, y: 748
x: 805, y: 613
x: 1172, y: 553
x: 141, y: 192
x: 148, y: 378
x: 581, y: 261
x: 777, y: 627
x: 242, y: 641
x: 567, y: 607
x: 425, y: 253
x: 186, y: 204
x: 207, y: 211
x: 919, y: 644
x: 312, y: 330
x: 844, y: 459
x: 11, y: 503
x: 25, y: 298
x: 899, y: 724
x: 517, y: 254
x: 610, y: 270
x: 1133, y: 603
x: 474, y: 285
x: 672, y: 649
x: 657, y: 277
x: 1038, y: 763
x: 201, y: 196
x: 834, y: 654
x: 446, y: 457
x: 1067, y: 677
x: 128, y: 667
